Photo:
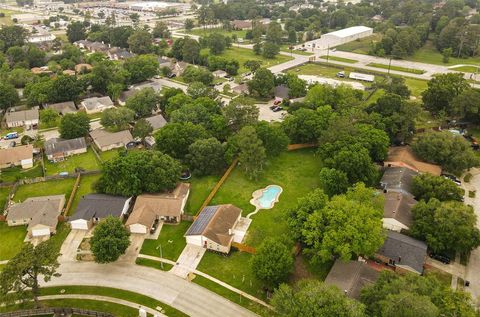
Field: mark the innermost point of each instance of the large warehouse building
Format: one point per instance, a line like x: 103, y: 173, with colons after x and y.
x: 339, y: 37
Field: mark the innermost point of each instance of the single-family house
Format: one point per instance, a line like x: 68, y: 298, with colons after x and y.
x: 241, y: 24
x: 117, y: 53
x: 240, y: 89
x: 404, y: 253
x: 214, y: 228
x: 62, y: 107
x: 97, y: 104
x: 151, y: 208
x: 83, y: 68
x: 219, y: 73
x: 397, y: 211
x: 105, y: 140
x: 94, y: 207
x: 157, y: 122
x: 41, y: 70
x: 403, y: 156
x: 281, y: 92
x: 39, y: 213
x: 17, y: 156
x: 23, y: 118
x: 397, y: 179
x: 350, y: 277
x: 57, y: 149
x: 69, y: 72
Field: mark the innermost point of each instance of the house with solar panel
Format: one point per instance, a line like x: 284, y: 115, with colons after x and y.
x: 214, y: 228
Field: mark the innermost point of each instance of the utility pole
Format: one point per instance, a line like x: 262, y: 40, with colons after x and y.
x: 389, y: 65
x: 328, y: 52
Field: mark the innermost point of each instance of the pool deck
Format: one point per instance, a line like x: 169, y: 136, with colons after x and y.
x: 257, y: 194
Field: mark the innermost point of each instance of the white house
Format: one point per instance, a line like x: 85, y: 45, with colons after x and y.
x: 214, y: 228
x: 97, y: 104
x: 24, y: 118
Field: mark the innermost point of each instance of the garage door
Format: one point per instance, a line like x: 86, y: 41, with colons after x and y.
x: 41, y: 232
x: 138, y: 228
x: 79, y: 224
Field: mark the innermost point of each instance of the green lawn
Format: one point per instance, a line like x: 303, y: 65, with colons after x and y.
x: 429, y: 54
x: 114, y: 293
x: 108, y: 155
x: 339, y: 59
x: 88, y: 161
x: 416, y: 86
x: 397, y: 68
x: 62, y: 232
x: 360, y: 46
x: 206, y: 32
x: 4, y: 191
x: 232, y: 296
x: 7, y: 20
x: 172, y: 241
x: 11, y: 240
x: 153, y: 264
x: 85, y: 187
x: 242, y: 55
x: 200, y: 187
x: 54, y: 187
x: 467, y: 69
x: 13, y: 174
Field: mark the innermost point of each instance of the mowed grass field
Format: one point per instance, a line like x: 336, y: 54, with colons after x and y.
x: 7, y: 19
x: 171, y: 239
x: 54, y: 187
x: 243, y: 54
x: 11, y: 240
x: 87, y: 161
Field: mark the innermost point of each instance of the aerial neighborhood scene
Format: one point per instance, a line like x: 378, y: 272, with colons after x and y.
x: 240, y: 158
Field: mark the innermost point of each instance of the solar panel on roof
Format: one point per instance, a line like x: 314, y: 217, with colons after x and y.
x: 202, y: 221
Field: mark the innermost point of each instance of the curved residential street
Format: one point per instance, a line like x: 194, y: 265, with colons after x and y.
x: 186, y: 296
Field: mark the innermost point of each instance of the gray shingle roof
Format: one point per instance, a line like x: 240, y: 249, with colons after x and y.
x: 23, y: 115
x: 99, y: 206
x: 398, y: 179
x: 62, y: 107
x: 56, y: 145
x: 399, y: 206
x: 404, y: 250
x: 157, y: 122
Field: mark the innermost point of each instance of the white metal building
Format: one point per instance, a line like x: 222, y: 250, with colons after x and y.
x: 339, y: 37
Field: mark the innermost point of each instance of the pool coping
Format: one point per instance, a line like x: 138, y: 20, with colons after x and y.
x: 258, y: 193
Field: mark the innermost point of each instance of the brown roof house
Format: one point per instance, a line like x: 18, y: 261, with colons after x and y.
x: 62, y: 107
x: 105, y: 140
x: 397, y: 211
x: 214, y: 228
x: 404, y: 253
x: 403, y: 156
x: 157, y: 122
x: 23, y: 118
x: 58, y: 149
x: 39, y: 213
x: 97, y: 104
x: 150, y: 208
x: 83, y: 68
x: 350, y: 277
x: 17, y: 156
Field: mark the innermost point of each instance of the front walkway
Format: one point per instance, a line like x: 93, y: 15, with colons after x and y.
x: 104, y: 299
x: 188, y: 260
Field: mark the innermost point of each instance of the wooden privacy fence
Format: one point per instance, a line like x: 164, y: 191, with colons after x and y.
x: 72, y: 194
x: 218, y: 185
x: 293, y: 147
x: 244, y: 247
x: 57, y: 311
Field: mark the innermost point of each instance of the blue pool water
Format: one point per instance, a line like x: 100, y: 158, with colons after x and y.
x: 269, y: 195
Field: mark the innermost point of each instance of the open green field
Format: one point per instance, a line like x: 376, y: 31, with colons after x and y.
x: 206, y: 32
x: 54, y: 187
x: 429, y: 54
x: 360, y: 46
x: 467, y: 69
x: 200, y: 187
x: 114, y: 293
x: 108, y: 155
x: 12, y: 174
x: 85, y: 187
x: 397, y: 68
x: 171, y: 239
x: 7, y: 20
x: 243, y: 54
x: 339, y: 59
x: 4, y: 191
x: 11, y: 240
x: 88, y: 161
x: 416, y: 86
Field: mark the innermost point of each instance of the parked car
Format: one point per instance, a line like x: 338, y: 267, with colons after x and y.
x: 341, y: 74
x: 277, y: 102
x: 442, y: 258
x: 452, y: 178
x: 277, y: 109
x: 273, y: 107
x: 172, y: 76
x: 11, y: 135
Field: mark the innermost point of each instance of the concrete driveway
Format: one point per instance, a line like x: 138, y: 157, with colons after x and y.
x: 188, y: 260
x: 71, y: 244
x: 136, y: 241
x: 266, y: 114
x: 473, y: 267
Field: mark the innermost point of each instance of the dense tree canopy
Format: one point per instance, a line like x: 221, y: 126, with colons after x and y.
x: 74, y: 125
x: 446, y: 226
x: 427, y: 186
x: 8, y: 96
x: 110, y: 240
x: 442, y: 90
x: 175, y: 138
x: 314, y: 298
x: 206, y: 156
x: 139, y: 172
x: 143, y: 102
x: 141, y: 67
x: 262, y: 83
